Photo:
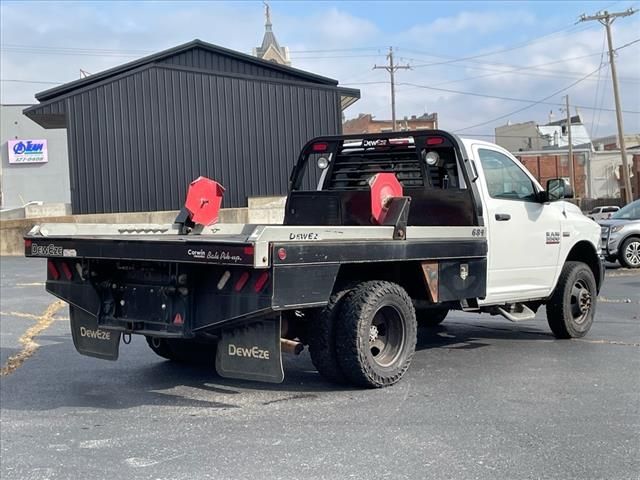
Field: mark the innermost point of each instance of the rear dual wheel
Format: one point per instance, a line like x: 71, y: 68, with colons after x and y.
x: 368, y: 335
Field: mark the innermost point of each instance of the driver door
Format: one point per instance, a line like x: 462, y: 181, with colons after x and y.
x: 523, y: 234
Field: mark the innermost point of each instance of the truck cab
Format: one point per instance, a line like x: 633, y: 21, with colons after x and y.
x: 529, y: 237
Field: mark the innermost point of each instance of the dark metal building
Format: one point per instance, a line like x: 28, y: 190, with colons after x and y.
x: 140, y: 132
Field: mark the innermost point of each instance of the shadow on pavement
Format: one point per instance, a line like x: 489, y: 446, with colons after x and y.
x: 467, y: 336
x: 58, y: 377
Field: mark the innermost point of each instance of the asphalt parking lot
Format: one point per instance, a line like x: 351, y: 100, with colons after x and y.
x: 484, y: 399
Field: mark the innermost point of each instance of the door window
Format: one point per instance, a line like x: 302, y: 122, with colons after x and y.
x: 504, y: 178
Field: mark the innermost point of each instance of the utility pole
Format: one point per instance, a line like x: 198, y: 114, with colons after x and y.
x: 391, y: 68
x: 572, y: 175
x: 606, y: 19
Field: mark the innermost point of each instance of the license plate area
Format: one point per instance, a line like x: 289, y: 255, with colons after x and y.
x: 147, y: 298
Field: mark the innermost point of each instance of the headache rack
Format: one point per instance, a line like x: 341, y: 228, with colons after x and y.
x: 353, y: 167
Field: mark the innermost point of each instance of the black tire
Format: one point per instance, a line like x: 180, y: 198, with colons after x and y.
x: 183, y: 351
x: 571, y: 308
x: 376, y: 334
x: 431, y: 317
x: 629, y: 253
x: 322, y: 339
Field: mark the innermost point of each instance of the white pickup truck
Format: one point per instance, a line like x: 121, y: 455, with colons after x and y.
x: 381, y: 231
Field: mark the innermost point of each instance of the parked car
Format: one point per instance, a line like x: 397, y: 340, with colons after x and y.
x: 602, y: 213
x: 621, y: 236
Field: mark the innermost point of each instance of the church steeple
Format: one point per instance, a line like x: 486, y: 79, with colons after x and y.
x: 270, y: 49
x: 267, y: 13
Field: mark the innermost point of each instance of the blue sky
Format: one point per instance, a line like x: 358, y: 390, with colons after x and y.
x: 50, y: 42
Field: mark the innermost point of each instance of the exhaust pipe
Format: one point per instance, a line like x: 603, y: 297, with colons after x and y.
x: 291, y: 346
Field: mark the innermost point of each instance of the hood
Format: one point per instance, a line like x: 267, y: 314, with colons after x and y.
x: 612, y: 221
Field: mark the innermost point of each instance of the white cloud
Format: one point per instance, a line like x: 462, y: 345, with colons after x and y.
x: 467, y: 22
x: 156, y: 26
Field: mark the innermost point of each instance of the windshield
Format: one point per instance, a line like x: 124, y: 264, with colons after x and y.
x: 628, y: 212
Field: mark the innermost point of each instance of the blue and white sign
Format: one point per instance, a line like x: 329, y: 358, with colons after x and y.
x: 28, y: 151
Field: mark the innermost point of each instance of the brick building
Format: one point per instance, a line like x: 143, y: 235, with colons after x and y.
x: 545, y: 165
x: 365, y: 123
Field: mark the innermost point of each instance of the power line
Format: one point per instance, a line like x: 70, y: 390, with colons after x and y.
x: 495, y: 52
x: 595, y: 100
x: 130, y: 52
x: 543, y: 71
x: 599, y: 112
x: 517, y: 72
x: 485, y: 95
x: 336, y: 56
x: 496, y: 97
x: 29, y: 81
x: 627, y: 44
x: 532, y: 105
x: 354, y: 49
x: 47, y: 47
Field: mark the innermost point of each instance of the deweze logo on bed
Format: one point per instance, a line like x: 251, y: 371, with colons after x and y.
x: 249, y: 352
x: 50, y: 250
x: 304, y: 236
x: 96, y: 334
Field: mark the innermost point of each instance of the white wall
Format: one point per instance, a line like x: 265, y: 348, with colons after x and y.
x: 520, y: 137
x: 604, y: 165
x: 46, y: 182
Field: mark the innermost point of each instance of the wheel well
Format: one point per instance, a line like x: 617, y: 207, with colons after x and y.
x: 633, y: 235
x: 586, y: 253
x: 406, y: 274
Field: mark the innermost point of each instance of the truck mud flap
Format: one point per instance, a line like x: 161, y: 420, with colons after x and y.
x: 91, y: 340
x: 251, y: 352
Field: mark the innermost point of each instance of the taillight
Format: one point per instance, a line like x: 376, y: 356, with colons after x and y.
x: 67, y: 271
x: 53, y: 271
x: 27, y: 243
x: 435, y: 140
x: 320, y: 147
x: 261, y: 282
x: 242, y: 281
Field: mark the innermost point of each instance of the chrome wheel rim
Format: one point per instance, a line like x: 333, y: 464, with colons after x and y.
x: 632, y: 253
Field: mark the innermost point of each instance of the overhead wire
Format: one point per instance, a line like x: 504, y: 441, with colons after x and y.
x: 30, y: 81
x: 503, y: 50
x: 486, y: 95
x: 595, y: 100
x: 543, y: 72
x: 557, y: 92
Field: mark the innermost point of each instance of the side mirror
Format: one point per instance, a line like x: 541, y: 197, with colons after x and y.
x: 557, y: 189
